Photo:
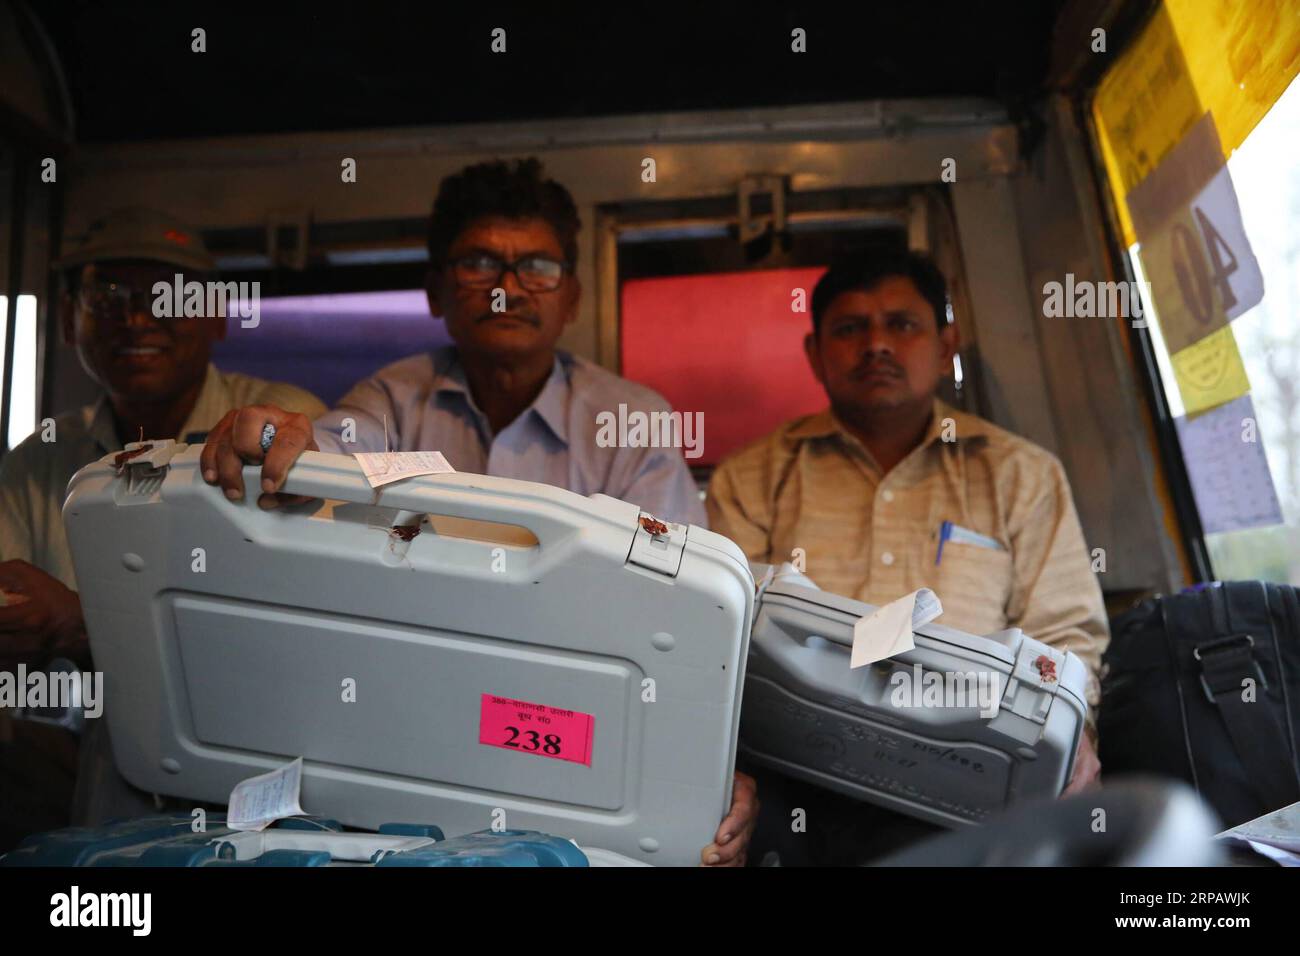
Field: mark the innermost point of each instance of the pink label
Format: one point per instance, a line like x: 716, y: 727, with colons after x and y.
x: 536, y: 729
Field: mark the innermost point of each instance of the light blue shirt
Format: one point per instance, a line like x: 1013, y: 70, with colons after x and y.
x: 429, y: 408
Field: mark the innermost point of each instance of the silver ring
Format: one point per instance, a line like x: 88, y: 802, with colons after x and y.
x: 268, y: 436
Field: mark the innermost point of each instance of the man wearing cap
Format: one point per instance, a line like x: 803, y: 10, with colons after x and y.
x: 157, y: 381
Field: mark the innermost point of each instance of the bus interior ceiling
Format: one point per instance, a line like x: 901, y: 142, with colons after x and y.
x: 247, y: 143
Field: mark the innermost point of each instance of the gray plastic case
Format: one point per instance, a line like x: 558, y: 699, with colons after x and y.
x: 216, y: 675
x: 810, y: 716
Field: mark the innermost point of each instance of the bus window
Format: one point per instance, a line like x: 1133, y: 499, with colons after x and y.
x: 336, y: 340
x: 748, y: 388
x: 1206, y: 194
x: 22, y: 385
x: 351, y: 305
x: 1268, y: 339
x: 716, y: 325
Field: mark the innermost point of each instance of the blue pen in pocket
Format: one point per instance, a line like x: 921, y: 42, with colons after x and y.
x: 945, y: 532
x: 949, y: 531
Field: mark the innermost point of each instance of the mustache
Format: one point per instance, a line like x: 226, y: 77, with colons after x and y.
x: 523, y: 316
x: 875, y: 366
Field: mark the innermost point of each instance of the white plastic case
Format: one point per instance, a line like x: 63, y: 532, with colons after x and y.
x: 234, y: 639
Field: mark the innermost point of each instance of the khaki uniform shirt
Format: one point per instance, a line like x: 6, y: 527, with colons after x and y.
x: 34, y: 480
x: 813, y: 486
x: 34, y: 476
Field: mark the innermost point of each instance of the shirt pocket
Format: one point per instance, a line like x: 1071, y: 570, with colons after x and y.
x: 974, y: 585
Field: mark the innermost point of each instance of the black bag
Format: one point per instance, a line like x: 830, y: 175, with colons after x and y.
x: 1176, y: 695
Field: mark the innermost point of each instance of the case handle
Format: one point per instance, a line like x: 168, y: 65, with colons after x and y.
x: 551, y: 514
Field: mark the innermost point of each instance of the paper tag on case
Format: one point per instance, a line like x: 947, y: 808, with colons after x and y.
x: 385, y: 467
x: 887, y: 631
x: 259, y: 801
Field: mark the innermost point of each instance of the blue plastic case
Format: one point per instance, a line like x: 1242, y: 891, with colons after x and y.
x: 171, y: 841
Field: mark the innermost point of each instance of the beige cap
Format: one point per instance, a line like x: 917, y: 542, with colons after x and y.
x: 136, y: 232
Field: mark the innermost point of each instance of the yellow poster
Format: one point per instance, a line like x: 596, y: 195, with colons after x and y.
x: 1144, y: 107
x: 1210, y: 372
x: 1228, y: 57
x: 1242, y: 55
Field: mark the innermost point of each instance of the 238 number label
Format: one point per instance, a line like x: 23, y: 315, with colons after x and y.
x: 531, y: 740
x: 527, y: 727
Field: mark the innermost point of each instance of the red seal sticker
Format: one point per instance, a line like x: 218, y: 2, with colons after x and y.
x: 1046, y: 668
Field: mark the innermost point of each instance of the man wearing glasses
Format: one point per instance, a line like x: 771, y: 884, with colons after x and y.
x: 156, y: 377
x: 503, y: 400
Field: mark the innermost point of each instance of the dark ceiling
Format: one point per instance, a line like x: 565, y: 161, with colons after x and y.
x: 275, y: 67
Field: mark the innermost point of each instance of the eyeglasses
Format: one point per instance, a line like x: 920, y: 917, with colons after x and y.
x: 115, y: 300
x: 535, y: 273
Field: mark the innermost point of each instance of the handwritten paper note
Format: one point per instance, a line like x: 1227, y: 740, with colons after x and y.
x: 1275, y: 835
x: 385, y: 467
x: 887, y: 631
x: 259, y: 801
x: 1228, y: 470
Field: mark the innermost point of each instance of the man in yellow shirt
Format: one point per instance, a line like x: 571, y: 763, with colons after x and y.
x: 156, y: 377
x: 868, y: 489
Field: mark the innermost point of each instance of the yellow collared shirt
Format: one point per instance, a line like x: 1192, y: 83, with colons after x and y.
x: 812, y: 491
